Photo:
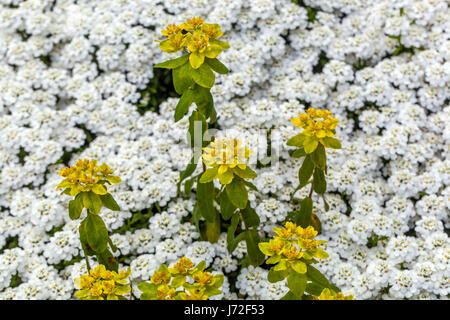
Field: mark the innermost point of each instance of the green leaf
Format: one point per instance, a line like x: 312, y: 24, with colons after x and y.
x: 111, y: 245
x: 183, y: 104
x: 188, y: 185
x: 203, y: 76
x: 250, y: 185
x: 107, y: 259
x: 147, y: 287
x: 314, y: 288
x: 174, y: 63
x: 231, y: 243
x: 204, y: 101
x: 303, y: 218
x: 299, y: 153
x: 226, y: 177
x: 306, y: 170
x: 331, y: 143
x: 92, y: 202
x: 310, y: 144
x: 247, y: 173
x: 96, y: 232
x: 196, y: 59
x: 237, y: 193
x: 209, y: 175
x: 213, y: 228
x: 256, y: 257
x: 250, y: 217
x: 296, y: 282
x: 275, y: 276
x: 316, y: 276
x: 75, y: 207
x: 190, y: 168
x: 83, y: 238
x: 217, y: 66
x: 196, y: 135
x: 325, y: 203
x: 320, y: 184
x: 299, y: 266
x: 226, y: 207
x: 319, y: 158
x: 289, y: 296
x: 109, y: 202
x: 182, y: 78
x: 205, y: 197
x: 296, y: 141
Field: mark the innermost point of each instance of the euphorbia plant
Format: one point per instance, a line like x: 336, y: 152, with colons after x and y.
x: 227, y: 161
x: 183, y: 281
x: 318, y: 132
x: 87, y: 183
x: 292, y: 251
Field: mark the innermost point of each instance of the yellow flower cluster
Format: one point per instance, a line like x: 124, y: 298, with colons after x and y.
x: 199, y: 38
x: 86, y: 176
x: 171, y: 283
x: 319, y: 126
x: 328, y: 294
x: 227, y: 158
x: 101, y: 284
x: 292, y: 247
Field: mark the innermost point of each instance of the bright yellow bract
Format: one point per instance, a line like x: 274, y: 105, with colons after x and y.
x: 319, y: 126
x: 173, y: 283
x: 227, y: 158
x: 195, y: 36
x: 328, y: 294
x: 101, y: 284
x: 292, y: 247
x: 86, y: 176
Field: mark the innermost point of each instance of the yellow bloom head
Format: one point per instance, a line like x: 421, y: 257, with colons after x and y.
x: 196, y: 37
x: 86, y: 176
x: 226, y: 159
x: 318, y: 127
x: 102, y: 284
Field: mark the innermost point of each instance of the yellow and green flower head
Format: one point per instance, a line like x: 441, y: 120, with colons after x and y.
x: 328, y: 294
x: 173, y: 284
x: 101, y: 284
x: 226, y: 159
x: 86, y: 176
x: 292, y: 248
x: 318, y: 127
x: 198, y: 38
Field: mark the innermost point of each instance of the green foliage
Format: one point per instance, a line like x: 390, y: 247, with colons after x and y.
x: 304, y: 215
x: 217, y: 66
x: 183, y: 104
x: 306, y: 170
x: 237, y: 193
x: 203, y: 76
x: 173, y: 63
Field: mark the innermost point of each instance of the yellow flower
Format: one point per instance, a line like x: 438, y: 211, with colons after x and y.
x: 86, y: 176
x: 170, y: 283
x: 171, y: 29
x: 328, y: 294
x: 182, y: 266
x: 192, y: 24
x: 160, y: 277
x: 175, y: 42
x: 196, y: 37
x: 102, y: 284
x: 226, y: 159
x: 291, y: 247
x: 319, y: 127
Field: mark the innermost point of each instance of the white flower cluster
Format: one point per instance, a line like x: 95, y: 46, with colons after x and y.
x: 71, y: 77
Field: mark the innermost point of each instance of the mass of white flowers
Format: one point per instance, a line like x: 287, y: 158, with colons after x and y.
x: 73, y: 74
